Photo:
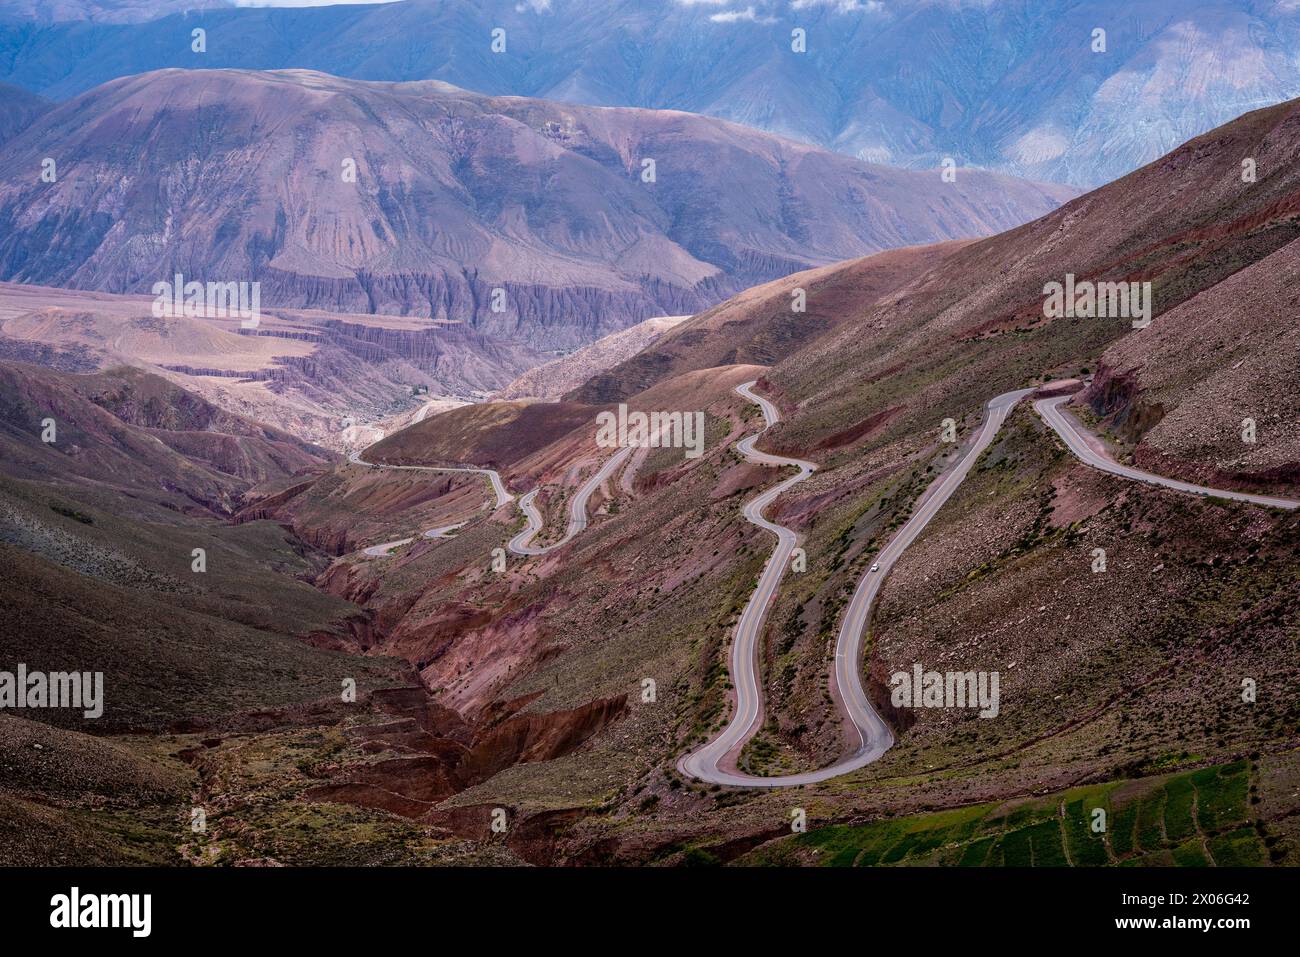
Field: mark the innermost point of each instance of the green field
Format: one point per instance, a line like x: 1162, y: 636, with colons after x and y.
x: 1193, y: 819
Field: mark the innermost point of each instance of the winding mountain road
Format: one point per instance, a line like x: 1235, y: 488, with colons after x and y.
x: 381, y: 551
x: 520, y: 544
x: 715, y: 762
x: 494, y: 478
x: 498, y: 487
x: 1094, y: 454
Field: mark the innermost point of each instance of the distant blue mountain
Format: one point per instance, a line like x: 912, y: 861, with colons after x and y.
x: 1012, y: 85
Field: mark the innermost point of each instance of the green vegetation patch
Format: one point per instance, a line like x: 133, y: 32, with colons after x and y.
x: 1189, y: 819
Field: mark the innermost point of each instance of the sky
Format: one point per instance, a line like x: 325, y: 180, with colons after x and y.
x: 743, y: 13
x: 300, y: 3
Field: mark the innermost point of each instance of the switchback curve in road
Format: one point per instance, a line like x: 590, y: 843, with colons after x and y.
x: 874, y: 736
x: 1088, y: 453
x: 520, y: 544
x: 494, y: 477
x: 381, y: 551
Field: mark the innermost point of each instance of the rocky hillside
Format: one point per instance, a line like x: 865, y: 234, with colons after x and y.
x: 767, y: 323
x: 489, y: 434
x: 109, y: 483
x: 565, y: 686
x: 551, y: 229
x: 553, y: 379
x: 1217, y: 246
x: 128, y: 430
x: 102, y: 529
x: 118, y: 556
x: 318, y: 375
x: 1107, y: 677
x: 1184, y: 393
x: 18, y: 110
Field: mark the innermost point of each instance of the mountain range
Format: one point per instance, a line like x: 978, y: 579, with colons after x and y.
x: 365, y: 579
x: 102, y: 11
x: 522, y: 686
x: 1012, y: 86
x: 545, y: 224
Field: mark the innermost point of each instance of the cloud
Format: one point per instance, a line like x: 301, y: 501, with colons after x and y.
x: 841, y: 6
x: 762, y: 10
x: 302, y: 3
x: 748, y: 15
x: 522, y: 6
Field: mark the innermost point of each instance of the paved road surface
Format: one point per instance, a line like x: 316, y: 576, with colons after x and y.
x: 704, y: 762
x: 577, y: 509
x: 503, y: 497
x: 1077, y: 442
x: 381, y: 551
x: 498, y: 487
x: 520, y: 543
x: 715, y: 761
